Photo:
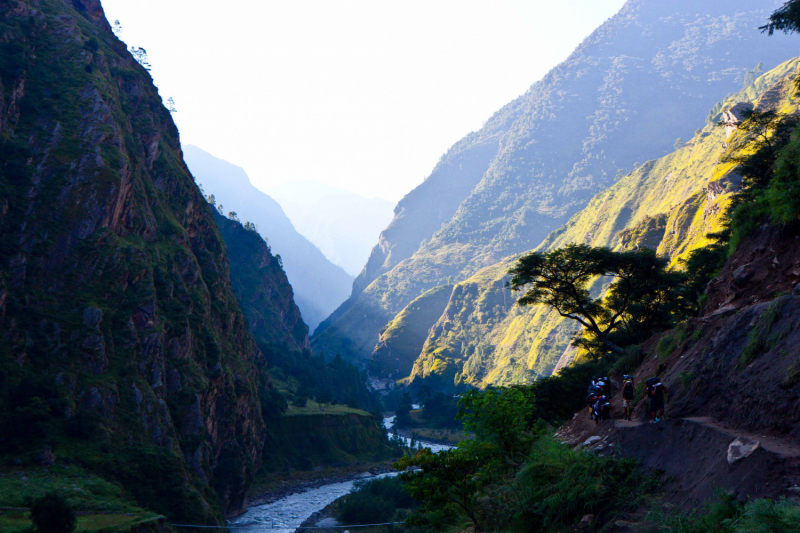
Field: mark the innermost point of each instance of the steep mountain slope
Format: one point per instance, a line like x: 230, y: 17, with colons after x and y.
x: 297, y: 439
x: 265, y: 296
x: 669, y: 204
x: 319, y: 285
x: 403, y: 338
x: 342, y: 224
x: 121, y: 330
x: 622, y: 97
x: 262, y: 288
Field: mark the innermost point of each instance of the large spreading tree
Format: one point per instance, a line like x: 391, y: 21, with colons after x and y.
x: 640, y: 298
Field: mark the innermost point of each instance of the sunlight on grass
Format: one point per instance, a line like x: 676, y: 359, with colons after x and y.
x: 314, y: 408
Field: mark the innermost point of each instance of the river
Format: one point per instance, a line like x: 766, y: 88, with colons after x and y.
x: 286, y: 514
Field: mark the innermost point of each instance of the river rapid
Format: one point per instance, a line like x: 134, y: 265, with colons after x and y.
x: 286, y: 514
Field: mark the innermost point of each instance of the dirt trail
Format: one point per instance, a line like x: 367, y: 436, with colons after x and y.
x: 780, y: 447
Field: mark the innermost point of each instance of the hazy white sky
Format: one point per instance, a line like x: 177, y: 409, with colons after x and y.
x: 364, y: 95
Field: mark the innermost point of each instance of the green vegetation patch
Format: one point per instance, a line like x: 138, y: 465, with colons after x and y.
x: 99, y: 505
x: 628, y: 363
x: 375, y: 502
x: 764, y: 337
x: 315, y: 408
x: 726, y: 515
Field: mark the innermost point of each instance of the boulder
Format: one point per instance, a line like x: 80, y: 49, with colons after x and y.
x: 734, y: 116
x: 586, y: 522
x: 590, y: 441
x: 741, y: 448
x: 743, y: 274
x: 724, y: 310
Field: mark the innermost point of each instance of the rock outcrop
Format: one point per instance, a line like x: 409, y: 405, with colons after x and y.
x: 734, y: 116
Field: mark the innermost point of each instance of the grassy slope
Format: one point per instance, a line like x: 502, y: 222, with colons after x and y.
x: 402, y: 339
x: 482, y: 344
x: 314, y: 408
x: 101, y: 506
x: 307, y: 439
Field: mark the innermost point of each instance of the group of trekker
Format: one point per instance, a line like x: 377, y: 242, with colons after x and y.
x: 600, y: 393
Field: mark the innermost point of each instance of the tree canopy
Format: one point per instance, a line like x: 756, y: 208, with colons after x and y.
x: 785, y: 19
x: 765, y: 133
x: 638, y: 301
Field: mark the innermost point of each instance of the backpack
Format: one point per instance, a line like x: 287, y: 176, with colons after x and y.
x: 628, y: 389
x: 650, y: 383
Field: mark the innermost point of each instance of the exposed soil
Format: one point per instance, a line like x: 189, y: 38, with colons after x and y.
x: 692, y: 454
x: 780, y: 447
x: 764, y: 266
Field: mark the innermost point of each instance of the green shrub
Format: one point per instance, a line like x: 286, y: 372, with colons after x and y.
x: 792, y: 376
x: 765, y: 516
x: 762, y: 337
x: 667, y: 344
x: 713, y: 518
x: 560, y: 485
x: 628, y: 363
x: 52, y: 514
x: 375, y: 501
x: 726, y: 515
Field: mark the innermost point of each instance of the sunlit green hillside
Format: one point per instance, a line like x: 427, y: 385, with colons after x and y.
x: 646, y: 76
x: 669, y: 204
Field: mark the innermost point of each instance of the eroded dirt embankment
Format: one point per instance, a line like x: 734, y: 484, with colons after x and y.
x: 734, y: 373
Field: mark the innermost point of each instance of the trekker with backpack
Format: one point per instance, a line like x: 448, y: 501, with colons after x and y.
x: 594, y: 394
x: 657, y: 392
x: 602, y: 409
x: 628, y: 392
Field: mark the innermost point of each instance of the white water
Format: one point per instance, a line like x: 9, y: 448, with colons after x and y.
x: 388, y: 423
x: 286, y: 514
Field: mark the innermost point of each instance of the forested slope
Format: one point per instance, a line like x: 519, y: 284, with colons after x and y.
x: 121, y: 329
x: 645, y: 77
x: 267, y: 302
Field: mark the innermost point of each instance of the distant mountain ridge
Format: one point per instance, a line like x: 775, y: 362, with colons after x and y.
x: 343, y: 224
x: 319, y: 285
x: 627, y: 92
